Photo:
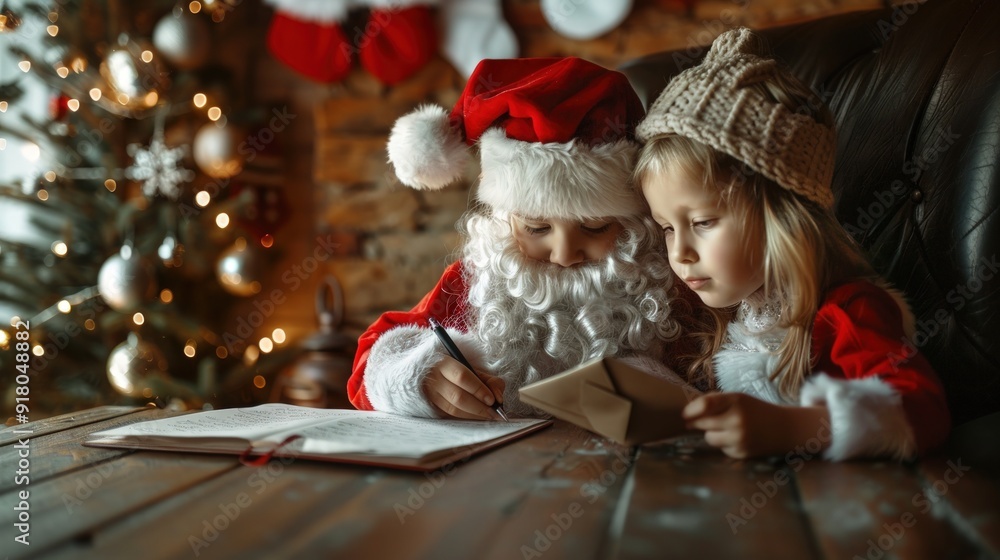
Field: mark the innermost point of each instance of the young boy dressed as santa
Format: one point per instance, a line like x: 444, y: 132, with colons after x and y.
x: 560, y: 262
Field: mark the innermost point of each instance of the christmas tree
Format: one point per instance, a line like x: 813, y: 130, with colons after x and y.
x: 133, y: 210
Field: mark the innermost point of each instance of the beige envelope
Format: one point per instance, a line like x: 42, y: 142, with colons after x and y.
x: 613, y: 399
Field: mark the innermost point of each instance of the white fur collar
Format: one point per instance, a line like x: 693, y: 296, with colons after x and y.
x: 746, y: 360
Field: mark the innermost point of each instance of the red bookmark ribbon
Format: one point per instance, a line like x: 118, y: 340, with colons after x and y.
x: 248, y: 458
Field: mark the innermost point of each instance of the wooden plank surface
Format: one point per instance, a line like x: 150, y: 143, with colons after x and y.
x: 54, y: 424
x: 226, y: 516
x: 968, y: 496
x: 560, y: 493
x: 77, y: 504
x: 62, y: 451
x: 487, y: 507
x: 491, y: 507
x: 690, y: 501
x: 876, y: 509
x: 566, y: 506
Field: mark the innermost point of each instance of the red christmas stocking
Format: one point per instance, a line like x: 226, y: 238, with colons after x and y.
x: 397, y: 42
x: 307, y: 37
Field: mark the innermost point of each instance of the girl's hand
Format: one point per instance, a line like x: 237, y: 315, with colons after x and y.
x: 743, y: 426
x: 460, y: 393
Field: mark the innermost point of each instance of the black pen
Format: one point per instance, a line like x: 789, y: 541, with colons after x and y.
x: 454, y: 352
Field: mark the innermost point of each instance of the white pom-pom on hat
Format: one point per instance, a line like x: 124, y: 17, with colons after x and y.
x: 427, y: 152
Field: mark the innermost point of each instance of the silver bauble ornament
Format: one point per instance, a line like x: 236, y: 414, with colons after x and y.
x: 183, y: 38
x: 126, y: 280
x: 239, y: 269
x: 216, y: 150
x: 134, y: 76
x: 133, y: 366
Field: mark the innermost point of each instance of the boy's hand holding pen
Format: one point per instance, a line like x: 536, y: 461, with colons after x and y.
x: 458, y: 390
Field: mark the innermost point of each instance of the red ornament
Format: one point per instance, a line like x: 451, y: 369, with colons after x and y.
x: 59, y: 107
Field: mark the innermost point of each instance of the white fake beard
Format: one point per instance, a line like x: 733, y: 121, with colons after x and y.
x: 537, y: 319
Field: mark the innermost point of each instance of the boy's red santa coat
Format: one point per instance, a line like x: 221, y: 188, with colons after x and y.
x: 446, y: 303
x: 883, y: 396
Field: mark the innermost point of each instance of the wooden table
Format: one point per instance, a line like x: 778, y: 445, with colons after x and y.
x: 560, y: 493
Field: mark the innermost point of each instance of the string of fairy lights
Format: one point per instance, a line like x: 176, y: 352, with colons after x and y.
x: 131, y: 82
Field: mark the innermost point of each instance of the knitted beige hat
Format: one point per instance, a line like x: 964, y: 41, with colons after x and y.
x: 711, y: 104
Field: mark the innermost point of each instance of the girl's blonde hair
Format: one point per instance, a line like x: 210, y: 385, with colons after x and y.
x: 805, y: 249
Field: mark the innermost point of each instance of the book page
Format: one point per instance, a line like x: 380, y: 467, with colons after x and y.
x: 321, y: 431
x: 377, y: 433
x: 244, y: 423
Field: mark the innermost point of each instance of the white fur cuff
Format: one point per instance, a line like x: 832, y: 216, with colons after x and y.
x: 399, y: 362
x: 866, y: 417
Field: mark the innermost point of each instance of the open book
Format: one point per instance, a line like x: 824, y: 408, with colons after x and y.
x: 348, y: 436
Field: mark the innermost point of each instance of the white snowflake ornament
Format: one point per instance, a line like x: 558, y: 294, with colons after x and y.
x: 158, y: 168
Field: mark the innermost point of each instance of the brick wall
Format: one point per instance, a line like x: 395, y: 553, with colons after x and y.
x: 393, y: 242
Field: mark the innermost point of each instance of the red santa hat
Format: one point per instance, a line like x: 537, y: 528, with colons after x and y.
x: 555, y: 138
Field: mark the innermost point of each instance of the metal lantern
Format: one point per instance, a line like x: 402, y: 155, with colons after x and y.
x: 318, y: 377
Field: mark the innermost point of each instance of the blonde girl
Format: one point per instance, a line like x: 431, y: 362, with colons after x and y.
x: 805, y: 348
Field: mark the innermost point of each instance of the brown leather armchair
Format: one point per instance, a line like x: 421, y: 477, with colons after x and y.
x: 916, y: 94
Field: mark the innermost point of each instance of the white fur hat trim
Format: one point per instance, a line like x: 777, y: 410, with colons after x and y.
x: 550, y: 180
